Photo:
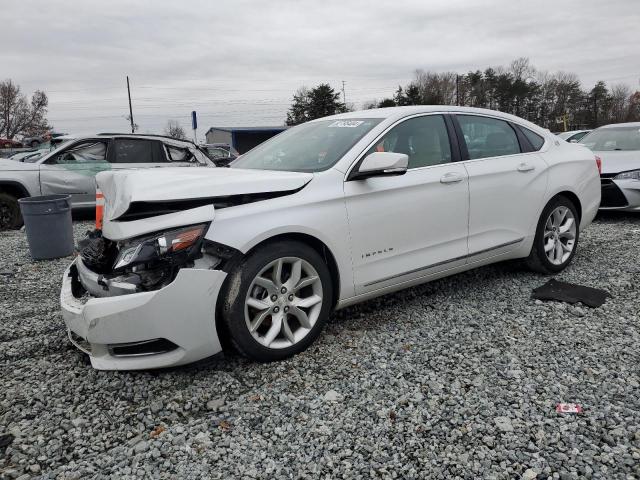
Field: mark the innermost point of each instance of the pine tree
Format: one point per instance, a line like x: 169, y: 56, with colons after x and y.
x: 318, y: 102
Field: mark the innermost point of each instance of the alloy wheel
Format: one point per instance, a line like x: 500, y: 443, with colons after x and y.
x: 559, y: 235
x: 283, y: 302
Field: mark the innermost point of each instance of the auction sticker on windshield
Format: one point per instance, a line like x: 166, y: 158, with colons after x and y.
x: 346, y: 124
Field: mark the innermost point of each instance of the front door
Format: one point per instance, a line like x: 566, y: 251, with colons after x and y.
x: 73, y: 171
x: 506, y: 187
x: 413, y: 225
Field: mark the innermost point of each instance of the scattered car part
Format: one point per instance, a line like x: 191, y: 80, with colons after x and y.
x: 569, y: 408
x: 570, y: 293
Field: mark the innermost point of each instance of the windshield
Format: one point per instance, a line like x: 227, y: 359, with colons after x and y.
x: 310, y: 147
x: 609, y: 139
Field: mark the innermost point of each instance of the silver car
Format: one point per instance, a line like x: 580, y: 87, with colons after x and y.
x: 573, y: 136
x: 618, y: 147
x: 71, y: 168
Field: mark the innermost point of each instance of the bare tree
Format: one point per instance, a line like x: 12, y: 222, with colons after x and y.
x: 620, y: 103
x: 436, y: 88
x: 521, y: 69
x: 174, y: 130
x: 18, y: 115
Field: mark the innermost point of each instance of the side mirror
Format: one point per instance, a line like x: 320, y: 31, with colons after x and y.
x: 379, y: 164
x: 573, y: 141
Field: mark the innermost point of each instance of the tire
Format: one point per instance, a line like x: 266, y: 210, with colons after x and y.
x: 542, y: 261
x: 10, y: 216
x: 283, y: 325
x: 34, y: 143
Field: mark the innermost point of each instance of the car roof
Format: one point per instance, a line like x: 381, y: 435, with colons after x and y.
x: 397, y: 113
x: 163, y: 138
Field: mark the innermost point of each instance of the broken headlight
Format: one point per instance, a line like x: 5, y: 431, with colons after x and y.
x: 632, y: 175
x: 175, y: 246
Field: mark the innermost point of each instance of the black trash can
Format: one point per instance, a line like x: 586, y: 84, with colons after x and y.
x: 47, y: 220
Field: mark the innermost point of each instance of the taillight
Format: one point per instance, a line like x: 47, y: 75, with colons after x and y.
x: 599, y: 164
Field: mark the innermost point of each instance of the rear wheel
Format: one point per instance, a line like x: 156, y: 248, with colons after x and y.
x: 556, y: 237
x: 10, y: 217
x: 277, y: 301
x: 35, y: 143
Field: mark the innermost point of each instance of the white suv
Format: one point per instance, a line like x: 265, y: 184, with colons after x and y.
x: 325, y: 215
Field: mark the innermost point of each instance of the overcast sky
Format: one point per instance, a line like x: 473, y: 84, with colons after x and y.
x: 238, y: 62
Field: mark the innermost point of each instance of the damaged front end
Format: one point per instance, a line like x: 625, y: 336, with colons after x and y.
x: 140, y: 264
x: 147, y: 301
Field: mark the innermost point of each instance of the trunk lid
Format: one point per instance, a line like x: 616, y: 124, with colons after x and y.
x: 619, y: 161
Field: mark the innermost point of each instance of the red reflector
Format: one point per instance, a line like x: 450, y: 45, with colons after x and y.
x: 599, y: 164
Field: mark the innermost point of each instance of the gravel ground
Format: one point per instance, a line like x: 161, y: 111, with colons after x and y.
x: 455, y: 379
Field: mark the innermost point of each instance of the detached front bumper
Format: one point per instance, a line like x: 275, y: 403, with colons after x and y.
x: 171, y: 326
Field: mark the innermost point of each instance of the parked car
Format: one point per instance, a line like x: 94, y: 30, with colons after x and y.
x: 618, y: 147
x: 327, y: 214
x: 573, y: 136
x: 35, y: 141
x: 9, y: 143
x: 222, y: 154
x: 72, y: 167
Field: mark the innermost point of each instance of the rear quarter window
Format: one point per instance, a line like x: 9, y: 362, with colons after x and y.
x: 177, y: 154
x: 535, y: 140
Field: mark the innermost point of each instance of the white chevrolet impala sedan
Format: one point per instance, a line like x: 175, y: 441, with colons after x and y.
x: 327, y: 214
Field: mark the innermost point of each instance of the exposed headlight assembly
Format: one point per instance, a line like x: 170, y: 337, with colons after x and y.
x: 174, y: 245
x: 632, y: 175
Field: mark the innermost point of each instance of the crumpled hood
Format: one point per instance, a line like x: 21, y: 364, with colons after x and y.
x: 619, y: 161
x: 15, y: 166
x: 121, y: 188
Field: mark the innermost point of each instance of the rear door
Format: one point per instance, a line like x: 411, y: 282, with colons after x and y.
x: 148, y: 153
x: 507, y: 184
x: 137, y: 153
x: 72, y: 171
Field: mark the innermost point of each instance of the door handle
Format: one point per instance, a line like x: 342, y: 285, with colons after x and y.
x: 451, y: 177
x: 525, y: 167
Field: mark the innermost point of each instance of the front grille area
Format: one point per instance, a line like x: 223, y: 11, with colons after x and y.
x: 612, y: 196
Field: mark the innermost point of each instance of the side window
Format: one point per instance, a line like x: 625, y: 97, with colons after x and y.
x: 536, y: 140
x: 424, y: 139
x: 488, y: 137
x: 177, y: 154
x: 217, y: 152
x: 84, y: 152
x: 133, y: 150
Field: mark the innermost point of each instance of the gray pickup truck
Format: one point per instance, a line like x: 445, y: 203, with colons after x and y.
x: 71, y: 168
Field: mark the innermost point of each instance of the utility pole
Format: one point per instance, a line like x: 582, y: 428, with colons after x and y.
x: 133, y: 130
x: 457, y: 90
x: 344, y: 95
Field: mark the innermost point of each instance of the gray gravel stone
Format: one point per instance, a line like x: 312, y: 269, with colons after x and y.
x: 418, y: 380
x: 332, y: 396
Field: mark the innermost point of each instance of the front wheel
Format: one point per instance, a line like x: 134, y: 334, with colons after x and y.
x: 276, y: 302
x: 556, y: 237
x: 10, y: 217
